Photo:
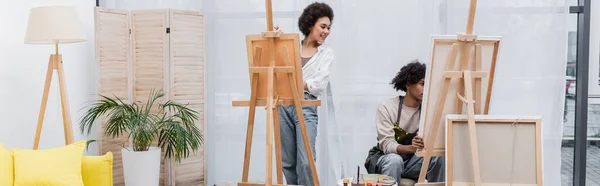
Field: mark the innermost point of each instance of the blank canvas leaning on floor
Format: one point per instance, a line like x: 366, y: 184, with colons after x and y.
x: 136, y: 54
x: 509, y: 150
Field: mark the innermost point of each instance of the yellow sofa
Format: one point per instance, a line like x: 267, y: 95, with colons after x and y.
x: 56, y: 166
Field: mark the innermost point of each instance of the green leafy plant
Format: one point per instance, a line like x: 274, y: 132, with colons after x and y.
x: 173, y: 124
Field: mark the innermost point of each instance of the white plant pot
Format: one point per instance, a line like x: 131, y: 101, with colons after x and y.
x: 141, y: 168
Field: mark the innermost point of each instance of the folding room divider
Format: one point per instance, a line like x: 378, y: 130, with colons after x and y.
x: 140, y: 50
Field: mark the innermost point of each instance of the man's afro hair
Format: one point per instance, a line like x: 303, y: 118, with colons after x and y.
x: 409, y: 74
x: 311, y: 14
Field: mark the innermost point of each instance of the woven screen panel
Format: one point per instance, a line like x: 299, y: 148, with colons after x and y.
x: 188, y: 59
x: 112, y: 60
x: 150, y: 55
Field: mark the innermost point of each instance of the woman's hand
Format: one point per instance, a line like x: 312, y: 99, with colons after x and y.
x: 277, y: 29
x: 305, y: 86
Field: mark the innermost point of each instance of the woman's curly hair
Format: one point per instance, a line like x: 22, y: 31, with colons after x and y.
x: 409, y: 74
x: 311, y: 14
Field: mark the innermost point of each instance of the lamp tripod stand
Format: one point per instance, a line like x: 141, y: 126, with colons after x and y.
x: 55, y: 63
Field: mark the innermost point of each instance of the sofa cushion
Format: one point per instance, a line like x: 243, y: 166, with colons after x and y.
x: 97, y: 170
x: 6, y: 167
x: 55, y: 166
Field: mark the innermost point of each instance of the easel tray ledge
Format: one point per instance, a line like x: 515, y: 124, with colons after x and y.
x: 280, y: 102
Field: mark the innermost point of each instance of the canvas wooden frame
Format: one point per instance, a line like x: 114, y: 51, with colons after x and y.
x: 508, y: 146
x: 435, y: 77
x: 287, y: 47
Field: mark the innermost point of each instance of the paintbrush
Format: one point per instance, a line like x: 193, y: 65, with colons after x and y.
x: 357, y: 173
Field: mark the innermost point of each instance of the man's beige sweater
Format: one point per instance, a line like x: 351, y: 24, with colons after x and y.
x: 387, y: 114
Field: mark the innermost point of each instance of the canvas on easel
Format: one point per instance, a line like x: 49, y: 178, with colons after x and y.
x: 438, y: 68
x: 275, y: 72
x: 286, y: 48
x: 455, y: 80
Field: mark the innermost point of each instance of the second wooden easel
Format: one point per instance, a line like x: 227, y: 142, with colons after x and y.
x: 275, y: 80
x: 470, y: 85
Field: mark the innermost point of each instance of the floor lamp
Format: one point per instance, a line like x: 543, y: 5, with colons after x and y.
x: 54, y: 25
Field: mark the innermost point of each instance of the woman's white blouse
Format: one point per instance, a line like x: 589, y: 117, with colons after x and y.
x: 316, y: 72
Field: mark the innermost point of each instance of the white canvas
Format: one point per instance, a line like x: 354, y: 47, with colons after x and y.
x: 509, y: 149
x: 434, y: 81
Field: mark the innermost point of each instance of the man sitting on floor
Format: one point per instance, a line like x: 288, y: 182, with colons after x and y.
x: 394, y: 154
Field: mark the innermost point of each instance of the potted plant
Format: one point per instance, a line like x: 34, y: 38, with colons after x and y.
x: 171, y: 124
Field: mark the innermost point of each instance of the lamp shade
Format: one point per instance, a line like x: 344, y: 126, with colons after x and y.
x: 54, y: 25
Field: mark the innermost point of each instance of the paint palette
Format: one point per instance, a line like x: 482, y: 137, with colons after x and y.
x: 371, y: 178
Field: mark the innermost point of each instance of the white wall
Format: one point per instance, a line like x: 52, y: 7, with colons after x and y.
x: 23, y: 71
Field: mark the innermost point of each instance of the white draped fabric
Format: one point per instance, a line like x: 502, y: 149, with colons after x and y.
x: 372, y: 40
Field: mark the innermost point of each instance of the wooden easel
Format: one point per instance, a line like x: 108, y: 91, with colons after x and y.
x: 55, y: 63
x: 275, y: 81
x: 471, y: 91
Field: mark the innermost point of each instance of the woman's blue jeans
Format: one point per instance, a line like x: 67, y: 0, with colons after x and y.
x: 293, y: 153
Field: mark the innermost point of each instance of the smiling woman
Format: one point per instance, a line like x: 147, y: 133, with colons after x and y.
x: 315, y: 24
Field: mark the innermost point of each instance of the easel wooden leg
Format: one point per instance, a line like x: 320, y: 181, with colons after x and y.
x: 251, y: 115
x: 250, y: 130
x: 472, y: 129
x: 51, y: 67
x: 477, y: 89
x: 277, y: 131
x: 298, y: 104
x: 468, y: 92
x: 278, y: 163
x: 464, y: 64
x: 270, y: 109
x: 438, y: 116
